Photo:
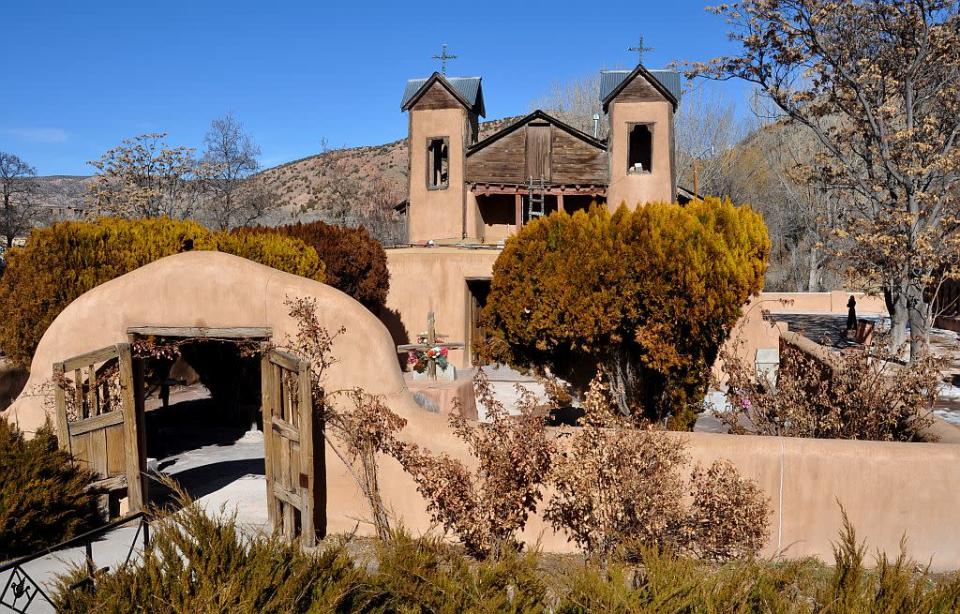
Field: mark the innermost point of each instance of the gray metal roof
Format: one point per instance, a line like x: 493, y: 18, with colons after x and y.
x: 610, y: 79
x: 468, y: 87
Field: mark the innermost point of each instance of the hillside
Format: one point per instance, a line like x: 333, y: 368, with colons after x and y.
x: 377, y: 172
x: 312, y: 184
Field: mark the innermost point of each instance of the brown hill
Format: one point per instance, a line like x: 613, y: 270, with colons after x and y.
x: 322, y: 182
x: 338, y: 183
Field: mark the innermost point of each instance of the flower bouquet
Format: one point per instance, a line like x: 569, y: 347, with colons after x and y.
x: 420, y: 359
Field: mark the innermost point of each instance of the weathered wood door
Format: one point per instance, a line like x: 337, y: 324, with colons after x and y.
x: 99, y: 404
x: 294, y: 450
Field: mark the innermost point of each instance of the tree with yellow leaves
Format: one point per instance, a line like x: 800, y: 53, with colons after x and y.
x: 645, y: 296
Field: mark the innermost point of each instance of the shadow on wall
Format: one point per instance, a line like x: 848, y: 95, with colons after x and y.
x: 12, y: 381
x: 399, y: 332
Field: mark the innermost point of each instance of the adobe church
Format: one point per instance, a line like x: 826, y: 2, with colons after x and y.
x: 466, y: 196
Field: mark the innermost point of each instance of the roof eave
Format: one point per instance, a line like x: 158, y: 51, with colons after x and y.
x: 438, y: 78
x: 638, y: 71
x: 496, y: 136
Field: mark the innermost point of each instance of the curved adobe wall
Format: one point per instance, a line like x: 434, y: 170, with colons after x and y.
x: 888, y: 489
x: 215, y: 290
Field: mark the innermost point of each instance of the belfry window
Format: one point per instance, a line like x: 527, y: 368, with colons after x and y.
x: 640, y: 150
x: 438, y: 163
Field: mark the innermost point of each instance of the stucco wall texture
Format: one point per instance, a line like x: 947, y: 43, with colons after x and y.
x: 633, y: 189
x: 887, y: 489
x: 424, y: 279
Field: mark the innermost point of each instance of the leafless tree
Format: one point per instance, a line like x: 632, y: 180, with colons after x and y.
x: 877, y: 84
x: 707, y: 132
x: 145, y: 177
x: 575, y: 103
x: 234, y: 197
x: 18, y: 190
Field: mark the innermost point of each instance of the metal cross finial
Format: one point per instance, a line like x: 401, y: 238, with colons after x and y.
x: 640, y: 49
x: 443, y: 56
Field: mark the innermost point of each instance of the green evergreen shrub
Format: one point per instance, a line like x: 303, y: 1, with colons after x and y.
x: 43, y: 495
x: 356, y: 262
x: 62, y: 261
x: 198, y: 564
x: 645, y: 296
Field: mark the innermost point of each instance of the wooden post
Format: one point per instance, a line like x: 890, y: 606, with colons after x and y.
x: 266, y: 410
x: 78, y: 394
x: 431, y: 340
x: 560, y: 206
x: 60, y: 400
x: 134, y: 459
x: 92, y: 391
x: 307, y: 487
x: 518, y: 209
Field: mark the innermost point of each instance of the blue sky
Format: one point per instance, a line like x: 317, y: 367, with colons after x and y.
x: 88, y: 75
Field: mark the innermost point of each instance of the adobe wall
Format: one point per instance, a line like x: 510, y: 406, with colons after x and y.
x: 436, y: 214
x: 637, y: 188
x: 211, y: 289
x: 424, y: 279
x: 834, y: 301
x: 887, y: 489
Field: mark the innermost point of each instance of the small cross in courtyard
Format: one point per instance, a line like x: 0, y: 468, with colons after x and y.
x: 640, y: 50
x: 443, y: 56
x: 430, y: 340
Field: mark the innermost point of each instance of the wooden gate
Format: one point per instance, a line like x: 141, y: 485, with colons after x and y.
x: 294, y: 450
x: 100, y: 418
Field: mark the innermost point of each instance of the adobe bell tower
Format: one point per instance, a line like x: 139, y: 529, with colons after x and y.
x: 641, y: 139
x: 443, y: 121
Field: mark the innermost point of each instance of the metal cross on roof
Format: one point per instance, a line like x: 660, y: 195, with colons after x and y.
x: 443, y: 56
x: 640, y: 49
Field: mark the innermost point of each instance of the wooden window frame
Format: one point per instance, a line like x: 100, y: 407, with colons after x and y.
x: 429, y: 164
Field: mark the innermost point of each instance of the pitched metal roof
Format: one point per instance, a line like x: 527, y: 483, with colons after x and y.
x: 610, y: 79
x: 467, y: 87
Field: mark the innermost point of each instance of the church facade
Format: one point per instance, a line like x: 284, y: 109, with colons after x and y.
x: 468, y: 195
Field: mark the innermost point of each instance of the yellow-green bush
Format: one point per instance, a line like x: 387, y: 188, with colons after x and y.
x: 646, y: 296
x: 62, y: 261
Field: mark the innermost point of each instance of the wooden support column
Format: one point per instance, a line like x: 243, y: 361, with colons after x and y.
x: 560, y: 206
x: 131, y: 385
x: 518, y: 207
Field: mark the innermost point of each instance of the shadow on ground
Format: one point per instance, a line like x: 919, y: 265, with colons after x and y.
x: 201, y: 481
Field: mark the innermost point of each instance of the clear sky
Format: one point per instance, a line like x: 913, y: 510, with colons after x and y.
x: 80, y: 76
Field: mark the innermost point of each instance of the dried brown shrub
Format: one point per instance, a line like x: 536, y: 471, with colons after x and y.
x: 616, y: 485
x: 859, y: 394
x: 728, y: 516
x: 488, y: 506
x: 614, y: 482
x: 363, y: 426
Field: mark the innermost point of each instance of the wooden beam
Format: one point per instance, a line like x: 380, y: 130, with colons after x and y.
x: 579, y: 190
x: 560, y: 206
x: 96, y: 422
x: 85, y: 360
x: 285, y: 429
x: 132, y: 438
x: 60, y: 401
x: 266, y: 408
x: 285, y: 360
x: 518, y: 210
x: 202, y: 332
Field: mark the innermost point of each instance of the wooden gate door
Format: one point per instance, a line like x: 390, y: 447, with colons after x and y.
x: 99, y: 404
x: 294, y: 450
